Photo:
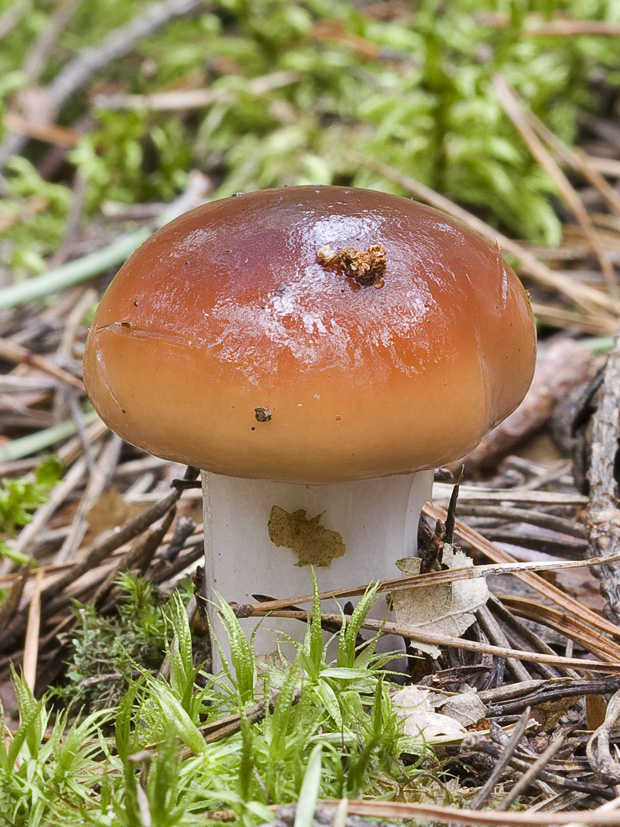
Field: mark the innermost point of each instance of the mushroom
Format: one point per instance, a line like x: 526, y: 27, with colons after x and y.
x: 316, y: 351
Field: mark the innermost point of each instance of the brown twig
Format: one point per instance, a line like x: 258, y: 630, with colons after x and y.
x: 415, y: 634
x: 512, y: 699
x: 524, y: 515
x: 31, y: 645
x: 163, y: 570
x: 561, y: 622
x: 12, y: 352
x: 51, y: 133
x: 496, y: 636
x: 521, y: 636
x: 485, y: 792
x: 574, y: 28
x: 474, y: 538
x: 130, y: 530
x: 515, y: 110
x: 454, y: 815
x: 97, y: 483
x: 52, y: 598
x: 13, y: 598
x: 140, y: 554
x: 549, y: 776
x: 571, y: 320
x: 603, y: 518
x: 532, y: 774
x: 523, y: 494
x: 562, y: 547
x: 181, y: 99
x: 436, y: 578
x: 606, y: 166
x: 71, y: 450
x: 578, y: 160
x: 614, y: 804
x: 598, y: 749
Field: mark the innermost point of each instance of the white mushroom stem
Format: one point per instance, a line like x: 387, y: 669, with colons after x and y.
x: 377, y: 520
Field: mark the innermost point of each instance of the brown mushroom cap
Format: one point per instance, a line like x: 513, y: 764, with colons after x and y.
x: 225, y: 343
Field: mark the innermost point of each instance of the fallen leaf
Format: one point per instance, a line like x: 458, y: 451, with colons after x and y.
x: 446, y: 609
x: 421, y: 721
x: 313, y: 544
x: 111, y: 511
x: 466, y: 708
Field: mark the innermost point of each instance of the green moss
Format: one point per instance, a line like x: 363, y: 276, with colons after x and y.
x: 32, y: 217
x: 20, y: 497
x: 416, y: 93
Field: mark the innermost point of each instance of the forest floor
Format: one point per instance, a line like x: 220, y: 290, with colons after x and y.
x: 537, y: 501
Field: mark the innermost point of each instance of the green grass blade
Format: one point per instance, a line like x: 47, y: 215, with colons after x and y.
x: 348, y: 633
x: 316, y: 632
x: 72, y: 273
x: 182, y: 671
x: 25, y: 446
x: 241, y: 652
x: 304, y: 814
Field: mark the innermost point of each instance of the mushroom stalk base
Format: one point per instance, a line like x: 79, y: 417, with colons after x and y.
x: 376, y: 519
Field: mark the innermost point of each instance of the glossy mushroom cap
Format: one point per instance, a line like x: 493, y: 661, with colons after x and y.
x: 236, y: 339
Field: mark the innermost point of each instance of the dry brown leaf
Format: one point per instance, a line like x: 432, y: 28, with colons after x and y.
x: 313, y: 544
x: 443, y: 609
x: 466, y: 707
x: 111, y: 511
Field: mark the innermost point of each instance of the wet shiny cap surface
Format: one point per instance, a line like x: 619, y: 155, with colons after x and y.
x: 232, y: 341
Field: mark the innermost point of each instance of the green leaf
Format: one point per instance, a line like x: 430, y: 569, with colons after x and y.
x: 182, y: 671
x: 241, y: 652
x: 309, y: 793
x: 329, y: 700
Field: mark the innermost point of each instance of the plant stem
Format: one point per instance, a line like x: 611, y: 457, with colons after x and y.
x: 72, y: 273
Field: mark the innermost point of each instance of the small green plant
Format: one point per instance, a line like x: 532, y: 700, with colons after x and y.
x: 297, y: 90
x: 19, y: 497
x: 325, y: 731
x: 32, y: 217
x: 241, y: 669
x: 47, y: 762
x: 267, y: 761
x: 106, y: 651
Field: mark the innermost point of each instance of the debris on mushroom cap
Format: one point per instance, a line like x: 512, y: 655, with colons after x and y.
x: 365, y: 267
x: 240, y: 307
